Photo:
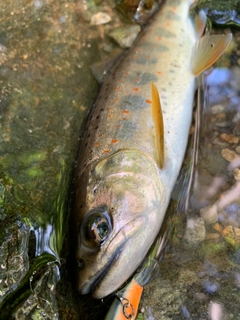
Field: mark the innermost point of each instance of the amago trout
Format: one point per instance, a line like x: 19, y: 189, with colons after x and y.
x: 121, y: 193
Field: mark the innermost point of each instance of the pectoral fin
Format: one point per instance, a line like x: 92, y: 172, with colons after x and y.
x: 158, y: 124
x: 207, y: 50
x: 200, y: 22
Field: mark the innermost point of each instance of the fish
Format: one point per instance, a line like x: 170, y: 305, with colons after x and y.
x: 133, y: 147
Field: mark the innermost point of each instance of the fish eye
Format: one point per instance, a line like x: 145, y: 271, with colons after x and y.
x: 96, y: 227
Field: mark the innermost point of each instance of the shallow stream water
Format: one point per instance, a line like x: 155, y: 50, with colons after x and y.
x: 46, y: 50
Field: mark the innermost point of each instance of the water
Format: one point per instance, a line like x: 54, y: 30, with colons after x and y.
x: 46, y: 48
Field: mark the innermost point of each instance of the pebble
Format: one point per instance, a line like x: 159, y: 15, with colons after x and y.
x: 236, y: 174
x: 230, y: 138
x: 125, y: 35
x: 238, y: 149
x: 100, y: 18
x: 209, y: 214
x: 195, y: 231
x: 217, y: 109
x: 228, y: 155
x: 218, y: 227
x: 211, y: 236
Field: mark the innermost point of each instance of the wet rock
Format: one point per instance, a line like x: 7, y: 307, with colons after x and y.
x: 125, y: 35
x: 228, y: 155
x: 232, y: 236
x: 230, y: 138
x: 195, y: 231
x: 209, y: 214
x: 164, y: 298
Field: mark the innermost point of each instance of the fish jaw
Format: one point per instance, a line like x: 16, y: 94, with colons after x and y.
x: 125, y: 190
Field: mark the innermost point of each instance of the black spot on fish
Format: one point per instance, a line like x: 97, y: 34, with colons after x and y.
x: 132, y: 102
x: 171, y: 71
x: 96, y: 127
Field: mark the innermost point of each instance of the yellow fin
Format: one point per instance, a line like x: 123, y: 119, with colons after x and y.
x: 200, y: 22
x: 207, y: 50
x: 158, y: 124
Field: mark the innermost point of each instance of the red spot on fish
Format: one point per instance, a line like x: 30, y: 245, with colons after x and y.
x: 126, y: 74
x: 120, y: 80
x: 116, y: 100
x: 118, y: 126
x: 114, y: 140
x: 148, y: 57
x: 159, y: 72
x: 174, y: 8
x: 137, y: 80
x: 109, y: 109
x: 168, y: 24
x: 126, y: 111
x: 159, y: 38
x: 148, y: 101
x: 135, y: 56
x: 116, y: 88
x: 109, y: 116
x: 106, y: 151
x: 135, y: 89
x: 96, y: 144
x: 124, y: 118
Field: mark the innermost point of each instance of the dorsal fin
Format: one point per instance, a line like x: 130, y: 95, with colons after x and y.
x: 207, y: 50
x: 158, y: 124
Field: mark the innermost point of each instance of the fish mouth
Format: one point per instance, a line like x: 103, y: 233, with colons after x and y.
x: 93, y: 284
x: 95, y: 281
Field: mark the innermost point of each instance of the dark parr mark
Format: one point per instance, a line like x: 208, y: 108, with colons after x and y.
x: 161, y: 32
x: 143, y: 78
x: 143, y: 59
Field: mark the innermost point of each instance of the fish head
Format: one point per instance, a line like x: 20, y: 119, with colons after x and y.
x: 118, y: 207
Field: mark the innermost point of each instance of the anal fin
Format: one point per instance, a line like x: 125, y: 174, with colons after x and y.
x: 158, y: 124
x: 207, y: 51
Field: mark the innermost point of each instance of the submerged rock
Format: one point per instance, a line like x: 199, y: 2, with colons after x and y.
x: 195, y: 231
